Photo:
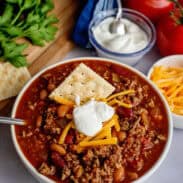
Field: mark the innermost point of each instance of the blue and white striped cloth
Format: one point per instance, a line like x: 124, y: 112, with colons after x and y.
x: 92, y: 7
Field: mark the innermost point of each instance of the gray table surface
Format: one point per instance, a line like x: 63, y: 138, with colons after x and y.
x: 13, y: 171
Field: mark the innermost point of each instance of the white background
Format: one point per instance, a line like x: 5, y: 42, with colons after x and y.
x: 13, y: 171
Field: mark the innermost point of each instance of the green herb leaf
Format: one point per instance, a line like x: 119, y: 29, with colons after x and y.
x: 12, y: 52
x: 19, y: 61
x: 42, y: 31
x: 7, y: 14
x: 2, y: 37
x: 50, y: 20
x: 32, y: 18
x: 35, y: 38
x: 12, y: 31
x: 26, y: 19
x: 12, y: 49
x: 28, y: 4
x: 49, y: 33
x: 47, y: 6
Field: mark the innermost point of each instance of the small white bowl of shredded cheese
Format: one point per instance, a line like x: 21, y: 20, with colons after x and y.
x: 167, y: 74
x: 128, y: 45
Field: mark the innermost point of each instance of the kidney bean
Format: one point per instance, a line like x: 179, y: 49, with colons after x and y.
x: 124, y: 112
x: 57, y: 159
x: 70, y: 137
x: 40, y: 104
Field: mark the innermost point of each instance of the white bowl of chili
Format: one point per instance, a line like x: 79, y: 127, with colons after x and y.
x: 32, y: 142
x: 173, y: 78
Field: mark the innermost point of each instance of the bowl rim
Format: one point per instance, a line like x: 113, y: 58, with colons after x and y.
x: 43, y: 178
x: 161, y: 61
x: 146, y: 20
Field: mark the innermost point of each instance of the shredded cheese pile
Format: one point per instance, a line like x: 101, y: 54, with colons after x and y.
x: 104, y: 137
x: 170, y: 82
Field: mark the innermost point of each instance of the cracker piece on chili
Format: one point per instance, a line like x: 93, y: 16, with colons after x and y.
x: 12, y: 79
x: 83, y: 82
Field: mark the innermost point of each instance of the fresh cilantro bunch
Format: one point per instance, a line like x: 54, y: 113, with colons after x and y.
x: 24, y: 19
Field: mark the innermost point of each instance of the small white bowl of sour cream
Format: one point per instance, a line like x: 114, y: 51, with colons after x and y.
x: 128, y: 48
x: 171, y: 61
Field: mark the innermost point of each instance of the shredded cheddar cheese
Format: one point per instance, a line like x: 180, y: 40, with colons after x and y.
x: 79, y: 149
x: 109, y: 135
x: 109, y: 124
x: 103, y: 134
x: 115, y: 101
x: 120, y: 94
x: 170, y: 82
x: 112, y: 140
x: 116, y: 125
x: 102, y: 137
x: 65, y: 101
x: 65, y: 132
x: 86, y: 139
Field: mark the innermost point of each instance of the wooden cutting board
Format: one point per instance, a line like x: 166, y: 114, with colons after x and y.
x: 38, y: 57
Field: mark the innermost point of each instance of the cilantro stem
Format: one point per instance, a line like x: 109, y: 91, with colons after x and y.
x: 17, y: 16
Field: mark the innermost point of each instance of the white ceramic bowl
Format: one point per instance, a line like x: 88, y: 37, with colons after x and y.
x: 173, y: 61
x: 136, y: 17
x: 41, y: 178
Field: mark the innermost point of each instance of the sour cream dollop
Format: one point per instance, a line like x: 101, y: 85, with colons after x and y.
x: 134, y: 39
x: 88, y: 118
